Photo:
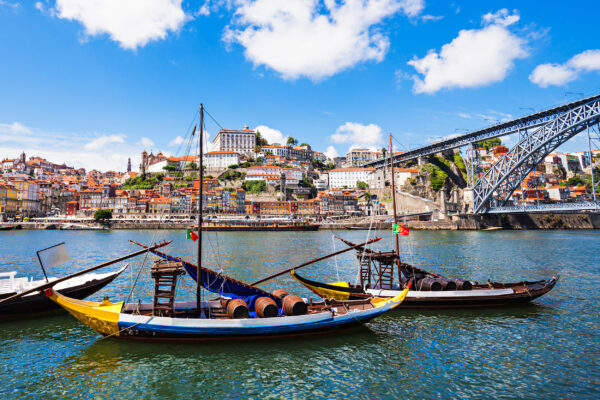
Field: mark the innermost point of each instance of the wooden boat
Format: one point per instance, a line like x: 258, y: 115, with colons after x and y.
x: 378, y: 278
x: 480, y: 295
x: 37, y: 303
x: 138, y: 321
x: 10, y: 227
x: 243, y: 311
x: 246, y: 226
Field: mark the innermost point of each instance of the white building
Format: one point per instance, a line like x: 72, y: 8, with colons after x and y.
x: 401, y: 175
x: 358, y: 157
x: 348, y: 177
x: 239, y: 141
x: 221, y: 159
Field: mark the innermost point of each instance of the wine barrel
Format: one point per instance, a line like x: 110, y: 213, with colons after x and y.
x: 279, y: 293
x: 447, y: 284
x: 294, y: 305
x: 462, y: 284
x: 429, y: 284
x: 266, y: 307
x: 237, y: 309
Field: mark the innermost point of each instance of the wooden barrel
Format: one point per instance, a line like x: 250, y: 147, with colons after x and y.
x: 462, y: 284
x: 294, y: 305
x: 429, y: 284
x: 447, y: 284
x: 279, y: 293
x: 266, y: 307
x: 237, y: 309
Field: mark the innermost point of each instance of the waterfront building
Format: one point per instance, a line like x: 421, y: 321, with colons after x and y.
x: 8, y: 201
x: 239, y: 141
x: 349, y: 177
x: 221, y: 159
x: 159, y: 206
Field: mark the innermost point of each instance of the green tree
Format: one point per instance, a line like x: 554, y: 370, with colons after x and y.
x: 254, y: 186
x: 260, y: 141
x: 575, y: 181
x: 170, y: 168
x: 102, y: 215
x: 291, y: 141
x: 489, y: 143
x: 192, y: 165
x: 362, y: 185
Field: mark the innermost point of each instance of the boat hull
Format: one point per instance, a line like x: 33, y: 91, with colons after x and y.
x: 518, y: 295
x: 131, y: 321
x: 243, y: 228
x: 38, y: 303
x: 508, y: 294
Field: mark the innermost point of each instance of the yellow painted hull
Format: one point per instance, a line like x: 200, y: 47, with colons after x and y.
x: 101, y: 317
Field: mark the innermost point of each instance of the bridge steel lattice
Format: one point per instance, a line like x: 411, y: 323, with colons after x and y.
x: 498, y: 183
x: 521, y: 125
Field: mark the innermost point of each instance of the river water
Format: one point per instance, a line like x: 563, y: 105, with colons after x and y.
x: 550, y: 349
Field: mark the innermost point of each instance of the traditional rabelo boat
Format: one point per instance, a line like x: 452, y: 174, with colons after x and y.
x: 35, y: 302
x: 378, y: 278
x: 243, y: 311
x: 240, y: 225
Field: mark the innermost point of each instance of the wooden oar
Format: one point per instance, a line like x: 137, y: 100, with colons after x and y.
x: 314, y: 261
x: 297, y: 266
x: 85, y: 271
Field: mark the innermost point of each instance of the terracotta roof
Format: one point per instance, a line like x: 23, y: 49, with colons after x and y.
x: 222, y: 152
x: 352, y: 169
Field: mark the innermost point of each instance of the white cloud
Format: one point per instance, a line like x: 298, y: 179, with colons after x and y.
x: 204, y: 10
x: 476, y: 57
x: 434, y: 18
x: 313, y: 38
x: 331, y: 152
x: 272, y: 135
x: 501, y: 17
x: 144, y: 141
x: 14, y: 6
x: 15, y: 128
x: 545, y: 75
x: 73, y: 149
x: 102, y: 141
x: 177, y: 141
x: 131, y: 23
x: 358, y: 135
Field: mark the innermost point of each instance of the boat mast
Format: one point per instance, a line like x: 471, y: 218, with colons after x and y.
x: 200, y: 175
x: 394, y: 206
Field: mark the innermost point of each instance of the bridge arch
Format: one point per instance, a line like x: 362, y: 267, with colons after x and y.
x: 500, y: 181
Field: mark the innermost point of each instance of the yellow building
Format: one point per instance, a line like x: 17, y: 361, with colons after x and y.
x: 8, y: 201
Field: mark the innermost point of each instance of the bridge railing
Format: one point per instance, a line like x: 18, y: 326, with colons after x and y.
x: 551, y: 207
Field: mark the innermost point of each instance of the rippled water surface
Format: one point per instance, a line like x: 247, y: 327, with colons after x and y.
x: 550, y: 349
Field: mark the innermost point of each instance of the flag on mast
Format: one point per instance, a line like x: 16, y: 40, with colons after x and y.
x: 400, y: 230
x: 191, y: 235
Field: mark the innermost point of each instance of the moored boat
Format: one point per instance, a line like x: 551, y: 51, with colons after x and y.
x: 36, y: 302
x: 257, y: 225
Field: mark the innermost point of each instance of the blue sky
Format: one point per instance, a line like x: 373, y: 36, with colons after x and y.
x: 93, y: 82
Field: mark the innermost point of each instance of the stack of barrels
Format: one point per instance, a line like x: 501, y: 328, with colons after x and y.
x: 442, y: 283
x: 266, y: 307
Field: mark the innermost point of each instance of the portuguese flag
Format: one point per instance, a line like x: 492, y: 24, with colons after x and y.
x: 191, y: 235
x: 400, y: 230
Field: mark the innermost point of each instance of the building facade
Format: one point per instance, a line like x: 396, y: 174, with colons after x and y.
x: 349, y: 177
x: 239, y: 141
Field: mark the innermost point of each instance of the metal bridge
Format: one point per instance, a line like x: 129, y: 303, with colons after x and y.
x: 539, y: 134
